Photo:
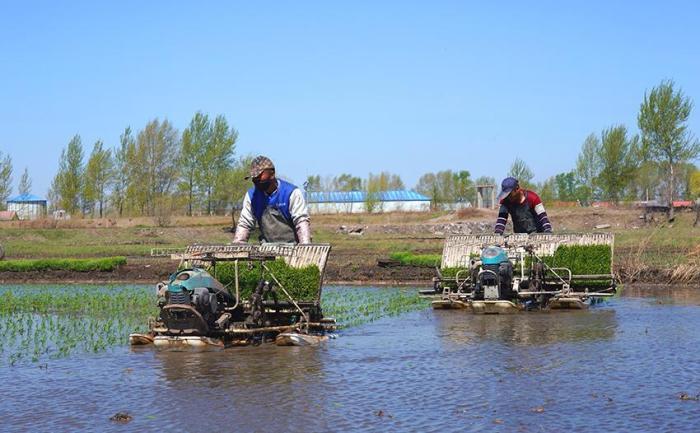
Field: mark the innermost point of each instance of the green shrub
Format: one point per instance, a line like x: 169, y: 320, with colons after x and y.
x: 301, y: 283
x: 106, y: 264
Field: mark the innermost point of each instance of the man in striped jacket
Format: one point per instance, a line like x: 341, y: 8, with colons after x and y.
x: 525, y: 207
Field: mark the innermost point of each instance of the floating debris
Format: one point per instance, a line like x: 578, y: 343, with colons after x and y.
x: 687, y: 397
x: 123, y: 417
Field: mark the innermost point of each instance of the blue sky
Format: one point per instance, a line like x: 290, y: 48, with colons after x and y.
x: 332, y: 87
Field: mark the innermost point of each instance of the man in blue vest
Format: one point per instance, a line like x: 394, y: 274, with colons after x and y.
x: 276, y: 206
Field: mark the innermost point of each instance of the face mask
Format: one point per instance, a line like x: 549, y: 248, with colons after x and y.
x: 263, y: 185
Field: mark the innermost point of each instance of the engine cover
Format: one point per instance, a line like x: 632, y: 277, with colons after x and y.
x: 495, y: 281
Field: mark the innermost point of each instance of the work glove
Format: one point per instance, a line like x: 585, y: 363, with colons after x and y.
x: 303, y: 230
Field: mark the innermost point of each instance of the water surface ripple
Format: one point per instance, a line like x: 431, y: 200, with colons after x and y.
x: 619, y: 367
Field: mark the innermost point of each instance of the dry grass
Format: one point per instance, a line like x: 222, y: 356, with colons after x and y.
x: 634, y: 263
x: 86, y: 223
x: 689, y: 271
x: 471, y: 213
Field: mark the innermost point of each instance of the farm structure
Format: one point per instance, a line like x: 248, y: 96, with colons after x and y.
x: 27, y: 206
x: 357, y: 202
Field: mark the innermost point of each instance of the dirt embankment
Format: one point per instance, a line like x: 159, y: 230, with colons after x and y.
x: 150, y: 271
x: 360, y: 240
x: 137, y: 270
x: 341, y: 269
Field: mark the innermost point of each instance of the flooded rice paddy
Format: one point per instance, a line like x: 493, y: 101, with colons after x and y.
x: 631, y: 364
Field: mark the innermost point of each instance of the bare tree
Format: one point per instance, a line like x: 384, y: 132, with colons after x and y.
x: 5, y: 178
x: 25, y: 183
x: 521, y: 171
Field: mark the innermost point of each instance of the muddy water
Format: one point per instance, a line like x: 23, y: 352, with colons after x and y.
x: 617, y: 367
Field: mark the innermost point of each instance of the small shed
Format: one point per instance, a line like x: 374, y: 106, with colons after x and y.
x: 321, y: 202
x: 27, y: 206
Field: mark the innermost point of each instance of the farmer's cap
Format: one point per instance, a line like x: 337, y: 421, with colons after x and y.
x: 507, y: 186
x: 258, y: 165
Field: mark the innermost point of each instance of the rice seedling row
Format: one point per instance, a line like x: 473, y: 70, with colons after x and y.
x: 40, y: 323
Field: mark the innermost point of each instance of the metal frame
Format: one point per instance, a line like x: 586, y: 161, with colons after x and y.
x: 295, y: 255
x: 459, y: 250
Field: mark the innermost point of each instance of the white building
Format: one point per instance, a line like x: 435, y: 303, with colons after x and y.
x: 356, y: 202
x: 27, y: 206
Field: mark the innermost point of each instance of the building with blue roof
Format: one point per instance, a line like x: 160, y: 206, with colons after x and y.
x: 324, y: 202
x: 27, y: 206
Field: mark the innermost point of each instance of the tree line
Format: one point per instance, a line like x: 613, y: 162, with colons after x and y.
x: 154, y: 171
x: 446, y: 187
x: 613, y: 165
x: 158, y: 170
x: 655, y: 164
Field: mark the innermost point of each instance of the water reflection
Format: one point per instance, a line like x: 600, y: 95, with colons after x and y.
x: 246, y: 384
x: 663, y: 294
x: 615, y: 367
x: 534, y: 328
x: 240, y: 366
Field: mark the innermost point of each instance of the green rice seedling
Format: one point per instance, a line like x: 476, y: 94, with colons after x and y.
x: 410, y: 259
x: 40, y: 322
x: 352, y: 306
x: 301, y: 283
x: 106, y: 264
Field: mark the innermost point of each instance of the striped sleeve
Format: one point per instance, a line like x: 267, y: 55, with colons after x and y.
x: 541, y: 217
x: 501, y: 221
x: 298, y: 208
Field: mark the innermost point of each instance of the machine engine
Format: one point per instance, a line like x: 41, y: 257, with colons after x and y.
x: 495, y: 275
x: 192, y: 301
